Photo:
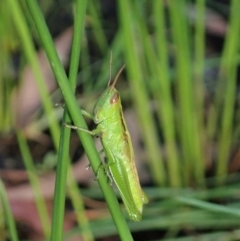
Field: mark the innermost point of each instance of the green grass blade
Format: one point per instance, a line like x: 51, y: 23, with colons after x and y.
x: 139, y: 92
x: 28, y: 47
x: 210, y: 206
x: 164, y: 95
x: 62, y: 167
x: 198, y: 74
x: 187, y: 118
x: 60, y: 185
x: 8, y: 214
x: 229, y: 74
x: 34, y: 181
x: 97, y: 28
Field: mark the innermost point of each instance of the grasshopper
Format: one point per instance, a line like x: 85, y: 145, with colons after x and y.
x: 117, y: 145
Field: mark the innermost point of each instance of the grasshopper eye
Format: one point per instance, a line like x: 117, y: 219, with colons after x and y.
x: 114, y: 99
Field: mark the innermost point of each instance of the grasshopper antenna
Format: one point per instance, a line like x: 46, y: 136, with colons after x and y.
x: 116, y: 78
x: 110, y: 74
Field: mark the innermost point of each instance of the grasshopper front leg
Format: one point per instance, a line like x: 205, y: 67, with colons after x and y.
x: 89, y: 165
x: 92, y: 133
x: 105, y: 167
x: 87, y: 114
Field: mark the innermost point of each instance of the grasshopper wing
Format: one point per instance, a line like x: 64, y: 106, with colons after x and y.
x: 120, y: 176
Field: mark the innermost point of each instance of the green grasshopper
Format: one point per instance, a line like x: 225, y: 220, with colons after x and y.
x: 117, y: 145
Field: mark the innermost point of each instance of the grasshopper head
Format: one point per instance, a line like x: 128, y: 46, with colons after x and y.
x: 109, y: 103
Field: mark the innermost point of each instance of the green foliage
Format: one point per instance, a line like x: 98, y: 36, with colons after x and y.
x: 184, y: 129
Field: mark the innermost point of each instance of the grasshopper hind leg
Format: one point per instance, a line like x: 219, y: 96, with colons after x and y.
x: 89, y: 165
x: 110, y: 179
x: 102, y: 166
x: 105, y: 167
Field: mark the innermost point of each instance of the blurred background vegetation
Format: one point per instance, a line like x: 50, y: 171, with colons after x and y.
x: 180, y: 96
